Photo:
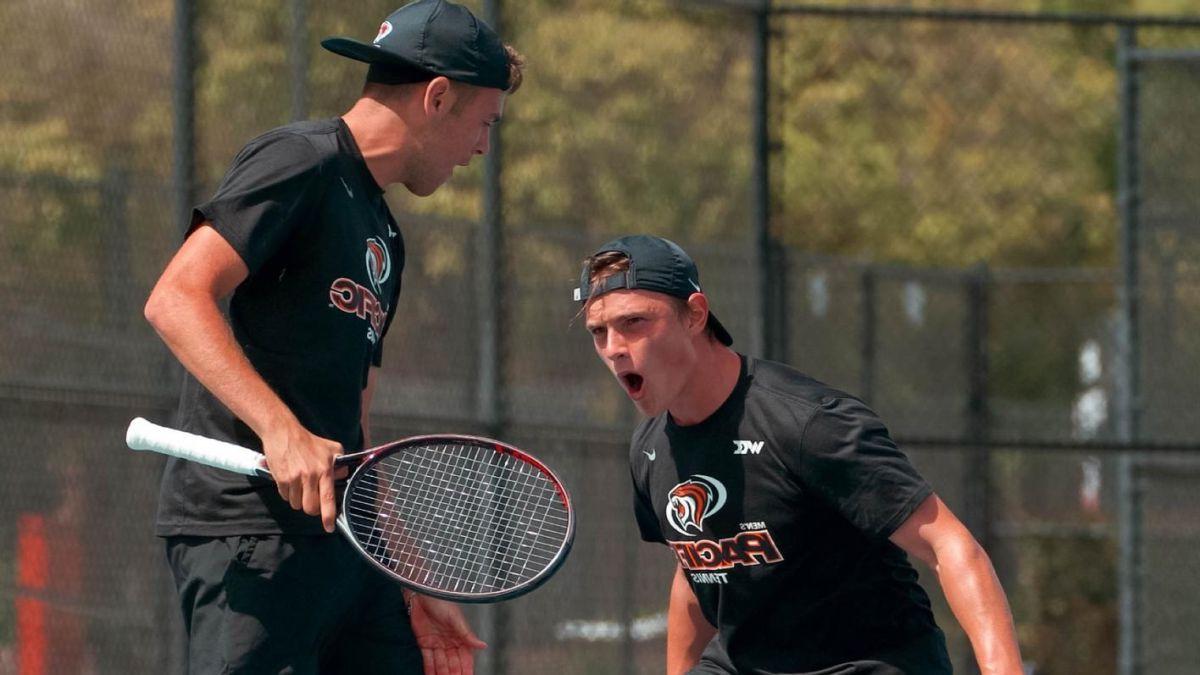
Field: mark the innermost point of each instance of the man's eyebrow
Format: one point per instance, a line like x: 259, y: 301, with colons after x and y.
x: 627, y: 314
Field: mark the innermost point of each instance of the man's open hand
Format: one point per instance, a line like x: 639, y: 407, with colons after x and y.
x: 446, y: 641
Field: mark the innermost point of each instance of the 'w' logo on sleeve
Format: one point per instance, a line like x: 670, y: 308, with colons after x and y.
x: 747, y: 447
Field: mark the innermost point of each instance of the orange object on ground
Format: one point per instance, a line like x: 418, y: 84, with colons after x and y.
x: 33, y: 573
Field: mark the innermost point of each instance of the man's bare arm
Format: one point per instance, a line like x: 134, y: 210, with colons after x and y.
x: 184, y: 309
x: 933, y: 534
x: 687, y: 629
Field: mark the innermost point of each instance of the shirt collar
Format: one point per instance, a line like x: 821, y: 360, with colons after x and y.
x: 347, y: 139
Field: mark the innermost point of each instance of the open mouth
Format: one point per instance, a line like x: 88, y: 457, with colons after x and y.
x: 633, y: 383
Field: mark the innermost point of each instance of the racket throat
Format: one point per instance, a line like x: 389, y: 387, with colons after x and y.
x: 343, y: 526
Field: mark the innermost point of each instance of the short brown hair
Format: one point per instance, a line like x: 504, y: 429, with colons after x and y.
x: 603, y: 265
x: 516, y: 68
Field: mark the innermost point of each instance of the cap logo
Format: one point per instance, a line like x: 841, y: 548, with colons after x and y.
x: 385, y: 29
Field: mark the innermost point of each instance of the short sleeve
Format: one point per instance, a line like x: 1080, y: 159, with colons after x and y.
x: 377, y: 355
x: 848, y: 459
x: 268, y: 190
x: 646, y: 520
x: 639, y: 473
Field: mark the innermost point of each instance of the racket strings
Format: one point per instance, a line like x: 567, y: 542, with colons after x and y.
x: 460, y: 518
x: 445, y: 569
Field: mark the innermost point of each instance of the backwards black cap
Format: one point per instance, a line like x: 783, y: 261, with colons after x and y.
x: 655, y: 264
x: 435, y: 37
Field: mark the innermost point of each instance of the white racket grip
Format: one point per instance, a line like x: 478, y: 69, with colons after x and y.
x: 145, y: 435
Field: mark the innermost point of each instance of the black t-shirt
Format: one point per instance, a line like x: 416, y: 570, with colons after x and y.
x: 778, y: 507
x: 324, y: 257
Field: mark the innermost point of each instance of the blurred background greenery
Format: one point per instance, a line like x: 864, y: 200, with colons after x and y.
x: 944, y: 194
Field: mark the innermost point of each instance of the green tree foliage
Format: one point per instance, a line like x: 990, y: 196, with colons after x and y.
x: 83, y: 96
x: 644, y: 130
x: 995, y: 145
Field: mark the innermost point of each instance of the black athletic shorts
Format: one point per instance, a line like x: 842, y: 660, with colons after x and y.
x: 919, y: 655
x: 294, y: 604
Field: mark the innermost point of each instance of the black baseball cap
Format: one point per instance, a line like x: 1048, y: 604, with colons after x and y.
x: 655, y: 264
x: 435, y: 37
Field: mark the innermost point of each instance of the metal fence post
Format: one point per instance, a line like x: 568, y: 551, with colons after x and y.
x: 298, y: 55
x: 490, y: 294
x: 629, y: 544
x: 979, y: 479
x: 183, y: 100
x: 769, y: 333
x: 118, y: 294
x: 867, y: 340
x: 488, y: 277
x: 1127, y: 380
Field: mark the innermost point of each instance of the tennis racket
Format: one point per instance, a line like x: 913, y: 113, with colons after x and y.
x: 457, y: 517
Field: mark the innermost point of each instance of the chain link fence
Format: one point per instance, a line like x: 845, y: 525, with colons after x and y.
x: 938, y: 139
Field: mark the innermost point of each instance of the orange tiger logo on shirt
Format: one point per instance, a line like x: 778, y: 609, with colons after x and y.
x: 693, y: 500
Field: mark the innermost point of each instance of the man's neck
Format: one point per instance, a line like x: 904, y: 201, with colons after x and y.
x: 381, y: 135
x: 713, y: 378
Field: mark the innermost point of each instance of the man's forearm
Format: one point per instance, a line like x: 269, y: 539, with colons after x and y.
x: 687, y: 629
x: 978, y: 602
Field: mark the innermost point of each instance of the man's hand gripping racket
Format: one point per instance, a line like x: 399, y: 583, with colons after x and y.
x: 456, y: 517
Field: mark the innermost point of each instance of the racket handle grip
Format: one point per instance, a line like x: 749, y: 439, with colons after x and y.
x: 145, y: 435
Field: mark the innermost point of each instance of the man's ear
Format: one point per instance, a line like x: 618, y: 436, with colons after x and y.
x: 697, y: 312
x: 438, y: 97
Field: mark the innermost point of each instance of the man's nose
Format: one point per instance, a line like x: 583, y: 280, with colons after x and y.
x: 484, y: 144
x: 614, y: 346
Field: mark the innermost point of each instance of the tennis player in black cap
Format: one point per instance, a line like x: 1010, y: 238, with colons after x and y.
x: 300, y: 243
x: 788, y: 508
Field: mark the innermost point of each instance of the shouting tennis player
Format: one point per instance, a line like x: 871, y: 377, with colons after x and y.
x: 299, y: 239
x: 788, y: 508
